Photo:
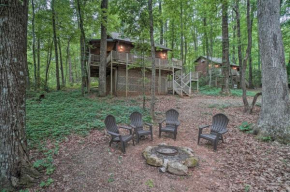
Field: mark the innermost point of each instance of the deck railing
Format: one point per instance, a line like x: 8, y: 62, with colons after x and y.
x: 131, y: 58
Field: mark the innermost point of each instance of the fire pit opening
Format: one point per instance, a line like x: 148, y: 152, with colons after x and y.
x: 167, y: 150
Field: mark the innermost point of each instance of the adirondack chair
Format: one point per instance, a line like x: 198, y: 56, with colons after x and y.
x: 137, y: 124
x: 171, y: 121
x: 217, y: 129
x: 113, y: 130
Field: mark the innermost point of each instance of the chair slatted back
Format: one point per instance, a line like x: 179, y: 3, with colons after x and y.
x: 219, y: 122
x: 136, y: 120
x: 171, y: 117
x: 111, y: 125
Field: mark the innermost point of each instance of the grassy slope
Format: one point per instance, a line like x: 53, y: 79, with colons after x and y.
x: 213, y: 91
x: 65, y: 112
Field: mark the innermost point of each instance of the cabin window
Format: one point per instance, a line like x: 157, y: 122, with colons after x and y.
x: 216, y: 66
x: 202, y: 60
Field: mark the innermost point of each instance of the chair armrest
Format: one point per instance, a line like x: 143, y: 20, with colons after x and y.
x: 133, y: 126
x: 162, y: 121
x: 201, y: 128
x: 114, y: 134
x: 223, y: 131
x: 148, y: 124
x: 204, y: 126
x: 125, y: 127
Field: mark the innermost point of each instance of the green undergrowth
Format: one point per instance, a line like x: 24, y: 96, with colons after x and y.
x: 64, y: 112
x: 214, y: 91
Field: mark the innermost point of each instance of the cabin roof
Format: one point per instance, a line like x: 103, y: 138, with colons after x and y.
x: 215, y: 60
x: 113, y: 37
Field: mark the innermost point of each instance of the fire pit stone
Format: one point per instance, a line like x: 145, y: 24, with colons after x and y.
x: 175, y: 160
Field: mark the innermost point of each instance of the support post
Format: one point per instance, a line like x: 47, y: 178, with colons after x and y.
x: 197, y: 84
x: 159, y: 79
x: 126, y: 74
x: 190, y: 83
x: 173, y: 79
x: 111, y: 74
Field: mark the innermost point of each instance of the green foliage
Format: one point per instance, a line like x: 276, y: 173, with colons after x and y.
x: 111, y: 178
x: 46, y: 183
x: 247, y: 188
x: 149, y: 183
x: 63, y: 113
x: 265, y: 138
x: 246, y: 127
x: 219, y: 106
x: 214, y: 91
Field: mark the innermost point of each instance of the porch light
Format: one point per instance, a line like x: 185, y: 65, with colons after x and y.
x: 235, y: 68
x: 121, y: 48
x: 163, y: 55
x: 216, y: 66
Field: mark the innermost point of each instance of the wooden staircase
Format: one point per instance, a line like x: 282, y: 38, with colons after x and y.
x: 182, y: 84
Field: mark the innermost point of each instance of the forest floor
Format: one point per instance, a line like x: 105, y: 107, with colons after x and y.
x: 242, y: 163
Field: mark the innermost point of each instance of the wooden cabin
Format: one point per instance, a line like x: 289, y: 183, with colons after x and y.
x: 202, y: 64
x: 124, y: 75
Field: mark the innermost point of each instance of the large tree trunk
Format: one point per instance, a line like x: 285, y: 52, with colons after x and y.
x: 274, y: 116
x: 70, y: 74
x: 248, y: 53
x: 61, y: 64
x: 48, y: 61
x: 33, y: 46
x: 38, y: 62
x: 103, y: 51
x: 225, y: 44
x: 153, y: 59
x: 250, y: 27
x: 82, y: 49
x: 172, y: 38
x: 55, y: 45
x: 16, y: 170
x: 161, y: 22
x: 181, y: 38
x: 240, y: 57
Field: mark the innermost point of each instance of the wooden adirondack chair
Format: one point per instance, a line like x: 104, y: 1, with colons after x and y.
x: 217, y: 129
x: 113, y: 130
x: 171, y: 121
x: 138, y: 125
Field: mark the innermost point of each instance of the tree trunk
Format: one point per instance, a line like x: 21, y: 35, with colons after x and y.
x: 181, y: 38
x: 70, y: 74
x: 55, y: 45
x: 15, y: 167
x: 234, y: 41
x: 207, y: 49
x: 172, y: 38
x: 274, y: 117
x: 38, y: 62
x: 61, y: 64
x: 161, y: 22
x: 103, y: 51
x: 48, y: 61
x: 82, y: 49
x: 240, y: 57
x: 225, y: 44
x: 33, y: 46
x: 248, y: 54
x: 250, y: 27
x: 153, y: 59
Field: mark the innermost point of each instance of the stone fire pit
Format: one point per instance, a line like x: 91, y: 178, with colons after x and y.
x: 175, y: 160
